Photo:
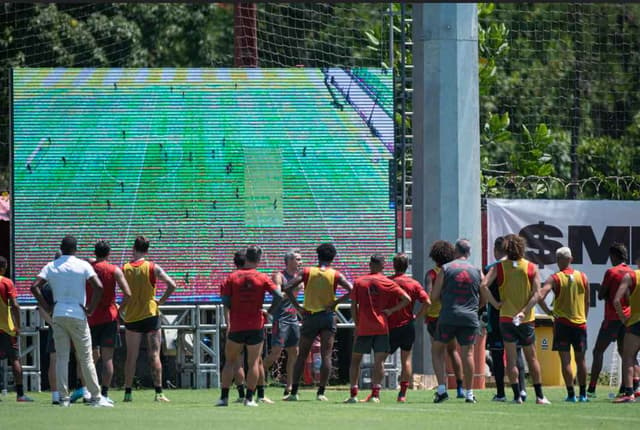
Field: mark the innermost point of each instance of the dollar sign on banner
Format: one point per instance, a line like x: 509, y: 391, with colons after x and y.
x: 542, y: 250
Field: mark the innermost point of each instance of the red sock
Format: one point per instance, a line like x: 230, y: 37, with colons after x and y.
x: 403, y: 387
x: 354, y: 391
x: 375, y: 390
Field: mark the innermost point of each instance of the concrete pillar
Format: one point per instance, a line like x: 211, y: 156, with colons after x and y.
x: 446, y: 144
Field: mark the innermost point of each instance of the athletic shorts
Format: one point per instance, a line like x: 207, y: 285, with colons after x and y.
x: 445, y: 333
x: 314, y: 324
x: 8, y: 347
x: 432, y: 324
x: 634, y: 329
x: 247, y: 337
x: 51, y: 344
x: 522, y: 335
x: 144, y: 326
x: 611, y: 331
x: 565, y: 336
x: 377, y: 343
x: 402, y: 337
x: 285, y: 335
x: 105, y: 335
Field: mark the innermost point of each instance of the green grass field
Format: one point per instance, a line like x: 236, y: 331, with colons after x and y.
x: 194, y: 409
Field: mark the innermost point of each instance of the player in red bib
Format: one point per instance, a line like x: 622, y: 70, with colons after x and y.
x: 103, y: 323
x: 243, y: 294
x: 373, y: 299
x: 401, y: 326
x: 629, y: 290
x: 612, y: 328
x: 10, y: 329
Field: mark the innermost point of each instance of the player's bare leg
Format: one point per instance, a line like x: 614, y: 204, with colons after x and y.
x: 107, y: 369
x: 536, y: 375
x: 303, y: 352
x: 253, y: 373
x: 438, y: 351
x: 133, y: 348
x: 631, y: 347
x: 354, y: 376
x: 232, y: 352
x: 456, y: 363
x: 378, y: 375
x: 405, y: 374
x: 154, y: 340
x: 469, y: 368
x: 292, y: 356
x: 327, y: 337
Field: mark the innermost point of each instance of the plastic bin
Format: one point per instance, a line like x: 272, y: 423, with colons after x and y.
x: 549, y: 360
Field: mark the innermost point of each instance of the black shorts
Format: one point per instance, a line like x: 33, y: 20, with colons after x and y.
x: 314, y: 324
x: 377, y: 343
x: 445, y: 333
x: 610, y: 331
x: 522, y: 335
x: 9, y: 347
x: 432, y: 325
x: 51, y: 344
x: 105, y: 335
x: 285, y: 334
x: 144, y: 326
x: 634, y: 329
x: 247, y: 337
x: 565, y: 336
x: 402, y: 337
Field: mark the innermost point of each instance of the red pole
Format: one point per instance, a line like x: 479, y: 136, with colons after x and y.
x: 245, y: 35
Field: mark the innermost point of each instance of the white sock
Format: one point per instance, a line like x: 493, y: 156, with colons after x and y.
x: 469, y: 394
x: 442, y: 389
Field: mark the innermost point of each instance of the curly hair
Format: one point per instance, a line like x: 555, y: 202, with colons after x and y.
x: 442, y: 252
x: 514, y: 246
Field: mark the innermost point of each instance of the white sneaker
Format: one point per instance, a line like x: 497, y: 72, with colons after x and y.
x: 101, y: 402
x: 222, y: 402
x: 251, y: 403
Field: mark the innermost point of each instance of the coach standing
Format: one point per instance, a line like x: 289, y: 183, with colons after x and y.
x: 67, y: 277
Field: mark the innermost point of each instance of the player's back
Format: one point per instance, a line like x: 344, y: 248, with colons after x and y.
x: 373, y: 293
x: 245, y: 289
x: 515, y: 279
x: 460, y: 295
x: 320, y: 285
x: 140, y: 276
x: 569, y: 303
x: 416, y: 293
x: 106, y: 310
x: 7, y: 290
x: 612, y: 279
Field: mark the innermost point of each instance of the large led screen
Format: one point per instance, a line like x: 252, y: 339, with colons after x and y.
x: 202, y: 162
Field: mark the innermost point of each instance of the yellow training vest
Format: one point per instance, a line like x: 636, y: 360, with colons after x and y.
x: 515, y: 289
x: 436, y: 306
x: 6, y: 320
x: 319, y: 291
x: 634, y: 302
x: 142, y: 303
x: 569, y: 302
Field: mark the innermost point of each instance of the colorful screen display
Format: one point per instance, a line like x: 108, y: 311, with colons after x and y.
x: 202, y: 162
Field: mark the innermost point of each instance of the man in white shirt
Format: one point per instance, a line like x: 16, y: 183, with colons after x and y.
x: 67, y: 277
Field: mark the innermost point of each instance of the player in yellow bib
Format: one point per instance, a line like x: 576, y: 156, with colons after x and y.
x: 320, y: 284
x: 141, y: 315
x: 570, y: 309
x: 519, y: 287
x: 629, y: 287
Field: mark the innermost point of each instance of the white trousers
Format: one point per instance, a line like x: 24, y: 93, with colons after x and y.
x: 65, y: 331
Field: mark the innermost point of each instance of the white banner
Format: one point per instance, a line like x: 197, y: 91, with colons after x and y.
x: 587, y: 227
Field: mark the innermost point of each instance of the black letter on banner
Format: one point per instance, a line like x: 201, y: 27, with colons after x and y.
x: 593, y: 294
x: 580, y: 235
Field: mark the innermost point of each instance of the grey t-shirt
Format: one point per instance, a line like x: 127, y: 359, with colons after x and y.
x: 460, y: 295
